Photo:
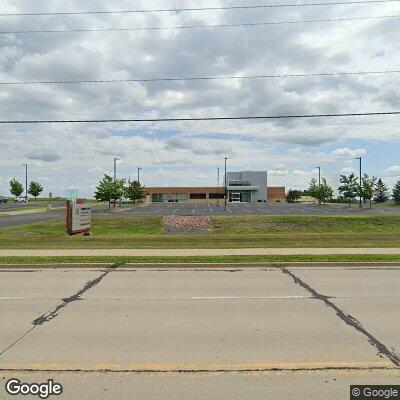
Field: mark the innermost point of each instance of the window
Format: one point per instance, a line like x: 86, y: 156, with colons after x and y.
x: 216, y: 195
x: 198, y: 196
x: 239, y: 183
x: 160, y: 197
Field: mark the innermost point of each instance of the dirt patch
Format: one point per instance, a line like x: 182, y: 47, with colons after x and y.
x: 186, y: 225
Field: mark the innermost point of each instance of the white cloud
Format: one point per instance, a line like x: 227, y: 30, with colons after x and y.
x: 345, y: 152
x: 394, y: 170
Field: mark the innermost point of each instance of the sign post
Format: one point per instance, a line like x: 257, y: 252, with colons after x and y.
x: 79, y: 217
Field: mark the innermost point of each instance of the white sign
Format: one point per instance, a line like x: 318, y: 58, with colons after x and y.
x: 81, y: 218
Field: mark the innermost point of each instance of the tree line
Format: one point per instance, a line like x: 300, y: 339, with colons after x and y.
x: 34, y: 189
x: 371, y: 189
x: 112, y: 190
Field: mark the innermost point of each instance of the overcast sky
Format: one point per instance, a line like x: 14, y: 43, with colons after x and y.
x: 181, y: 154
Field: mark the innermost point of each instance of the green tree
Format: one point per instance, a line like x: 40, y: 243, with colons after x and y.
x: 293, y: 195
x: 381, y: 192
x: 349, y: 187
x: 16, y: 188
x: 396, y: 192
x: 35, y: 188
x: 135, y: 191
x: 109, y: 189
x: 313, y: 188
x: 324, y: 191
x: 368, y: 188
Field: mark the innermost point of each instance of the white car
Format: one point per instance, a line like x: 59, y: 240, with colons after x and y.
x: 20, y: 199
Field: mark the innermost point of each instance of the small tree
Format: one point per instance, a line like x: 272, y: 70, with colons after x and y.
x: 368, y: 188
x: 16, y: 188
x: 381, y: 192
x: 35, y: 188
x: 349, y: 187
x: 293, y: 195
x: 313, y: 188
x: 324, y: 192
x: 109, y: 189
x: 135, y: 191
x: 396, y: 192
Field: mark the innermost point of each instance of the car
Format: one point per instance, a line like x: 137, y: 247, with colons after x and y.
x: 3, y: 199
x: 20, y: 199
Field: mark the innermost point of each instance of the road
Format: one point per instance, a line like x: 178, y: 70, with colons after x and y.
x: 201, y: 333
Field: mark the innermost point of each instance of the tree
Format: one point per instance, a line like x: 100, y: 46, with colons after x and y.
x: 35, y: 188
x: 135, y: 191
x: 349, y: 187
x: 396, y: 192
x: 313, y: 188
x: 381, y: 192
x: 324, y: 192
x: 368, y: 188
x: 109, y: 189
x: 16, y: 188
x: 293, y: 195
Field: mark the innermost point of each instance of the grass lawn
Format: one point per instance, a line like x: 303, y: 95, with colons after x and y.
x: 209, y: 260
x: 116, y: 231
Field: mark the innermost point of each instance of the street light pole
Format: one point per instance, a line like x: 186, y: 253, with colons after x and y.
x: 26, y: 182
x: 226, y: 189
x: 360, y: 202
x: 115, y: 168
x: 319, y: 181
x: 218, y: 185
x: 115, y: 176
x: 138, y: 174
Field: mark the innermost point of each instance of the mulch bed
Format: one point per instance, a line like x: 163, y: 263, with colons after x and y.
x: 186, y: 225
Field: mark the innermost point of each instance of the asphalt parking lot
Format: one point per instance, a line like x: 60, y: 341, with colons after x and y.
x: 253, y: 209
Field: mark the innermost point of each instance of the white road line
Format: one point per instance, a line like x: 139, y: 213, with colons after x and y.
x: 194, y: 209
x: 209, y: 206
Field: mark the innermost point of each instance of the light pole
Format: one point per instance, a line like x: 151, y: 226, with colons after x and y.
x: 138, y: 173
x: 115, y: 168
x: 360, y: 202
x: 319, y: 182
x: 26, y: 182
x: 218, y: 185
x: 226, y: 189
x: 115, y: 176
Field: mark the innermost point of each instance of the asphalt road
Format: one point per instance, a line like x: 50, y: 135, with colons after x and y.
x: 203, y: 333
x: 255, y: 209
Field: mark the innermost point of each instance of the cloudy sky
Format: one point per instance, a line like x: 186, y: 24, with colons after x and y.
x: 77, y: 155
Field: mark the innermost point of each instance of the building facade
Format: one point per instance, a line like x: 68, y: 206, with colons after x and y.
x: 242, y: 187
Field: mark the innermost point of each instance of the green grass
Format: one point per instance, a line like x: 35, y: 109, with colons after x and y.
x: 115, y: 231
x: 202, y: 259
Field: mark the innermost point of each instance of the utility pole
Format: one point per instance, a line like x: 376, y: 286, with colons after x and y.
x: 360, y: 202
x: 319, y: 182
x: 26, y: 182
x: 218, y: 185
x: 226, y: 189
x: 138, y: 173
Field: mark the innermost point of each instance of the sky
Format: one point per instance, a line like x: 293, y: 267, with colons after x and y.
x: 64, y: 156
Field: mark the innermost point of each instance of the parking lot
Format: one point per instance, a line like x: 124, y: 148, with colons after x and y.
x: 252, y: 209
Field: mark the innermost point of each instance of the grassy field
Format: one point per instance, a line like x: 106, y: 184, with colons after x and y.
x: 226, y: 232
x: 205, y: 260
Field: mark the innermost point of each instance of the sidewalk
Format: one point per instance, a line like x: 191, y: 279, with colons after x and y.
x: 194, y: 252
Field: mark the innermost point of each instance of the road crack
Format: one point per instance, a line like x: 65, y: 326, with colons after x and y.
x: 66, y: 301
x: 348, y: 319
